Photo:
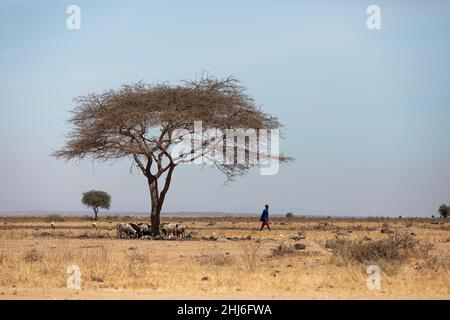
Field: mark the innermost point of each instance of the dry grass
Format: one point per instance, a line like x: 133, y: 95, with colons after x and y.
x: 54, y: 218
x: 397, y: 248
x: 215, y: 260
x: 35, y: 257
x: 250, y: 254
x: 32, y: 256
x: 388, y: 253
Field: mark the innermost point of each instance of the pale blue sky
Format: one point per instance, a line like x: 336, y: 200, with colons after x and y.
x: 366, y: 113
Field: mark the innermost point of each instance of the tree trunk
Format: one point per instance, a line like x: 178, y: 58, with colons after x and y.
x: 154, y: 217
x: 154, y: 197
x: 157, y: 198
x: 95, y: 213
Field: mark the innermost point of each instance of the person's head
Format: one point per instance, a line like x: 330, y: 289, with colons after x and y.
x: 267, y: 206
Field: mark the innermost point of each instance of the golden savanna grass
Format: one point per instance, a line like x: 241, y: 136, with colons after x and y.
x: 34, y: 259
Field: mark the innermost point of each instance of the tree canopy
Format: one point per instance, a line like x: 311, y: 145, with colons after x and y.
x: 96, y: 199
x: 443, y: 210
x: 142, y: 121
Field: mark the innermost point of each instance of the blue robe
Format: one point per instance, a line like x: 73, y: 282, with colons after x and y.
x: 265, y: 215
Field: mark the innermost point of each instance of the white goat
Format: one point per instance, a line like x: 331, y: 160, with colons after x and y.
x: 180, y: 231
x: 125, y: 230
x: 169, y: 229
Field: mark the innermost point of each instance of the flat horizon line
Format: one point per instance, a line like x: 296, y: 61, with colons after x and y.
x: 42, y: 213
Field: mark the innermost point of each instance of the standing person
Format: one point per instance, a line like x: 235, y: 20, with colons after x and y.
x: 265, y: 218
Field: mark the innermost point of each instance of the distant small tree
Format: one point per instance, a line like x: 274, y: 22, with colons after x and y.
x: 289, y: 215
x: 95, y: 200
x: 443, y: 210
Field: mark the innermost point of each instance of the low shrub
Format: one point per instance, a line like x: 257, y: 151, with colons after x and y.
x: 395, y: 248
x: 54, y: 218
x: 32, y: 256
x: 282, y: 249
x: 290, y: 215
x: 250, y: 254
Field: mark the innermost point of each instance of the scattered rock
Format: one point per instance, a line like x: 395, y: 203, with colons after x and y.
x: 448, y: 239
x: 366, y: 238
x: 386, y: 230
x: 222, y: 240
x: 412, y: 234
x: 249, y: 237
x: 290, y: 266
x: 295, y: 238
x: 205, y: 278
x: 434, y: 222
x: 132, y: 248
x: 299, y: 246
x: 212, y: 238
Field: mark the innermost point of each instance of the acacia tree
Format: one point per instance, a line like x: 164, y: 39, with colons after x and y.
x: 96, y: 199
x: 142, y: 121
x: 443, y: 210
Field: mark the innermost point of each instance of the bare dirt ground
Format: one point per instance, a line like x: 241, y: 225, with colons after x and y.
x: 34, y: 259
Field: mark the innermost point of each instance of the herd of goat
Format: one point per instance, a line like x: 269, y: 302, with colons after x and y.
x: 139, y: 230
